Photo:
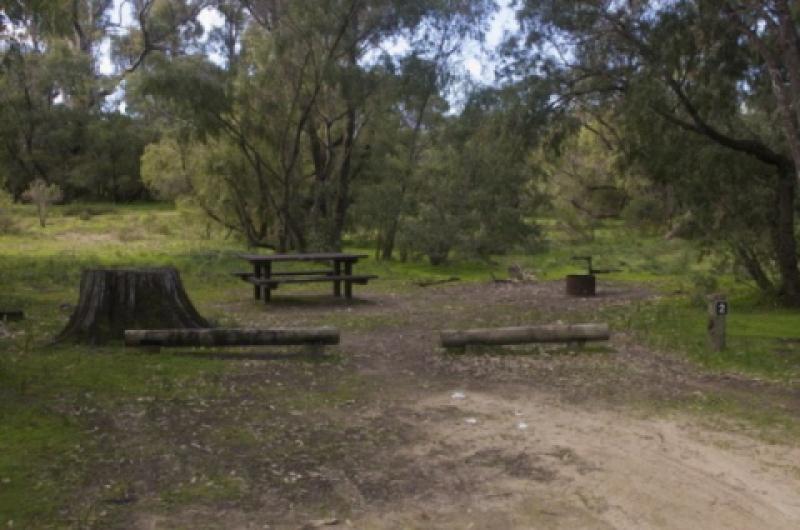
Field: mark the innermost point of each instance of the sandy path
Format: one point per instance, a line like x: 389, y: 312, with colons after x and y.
x: 571, y: 468
x: 514, y: 454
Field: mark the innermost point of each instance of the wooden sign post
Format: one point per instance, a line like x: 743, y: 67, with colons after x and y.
x: 717, y: 311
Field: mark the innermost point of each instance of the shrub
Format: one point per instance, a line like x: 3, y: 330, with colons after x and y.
x: 8, y: 224
x: 647, y: 213
x: 86, y: 211
x: 42, y: 195
x: 702, y: 285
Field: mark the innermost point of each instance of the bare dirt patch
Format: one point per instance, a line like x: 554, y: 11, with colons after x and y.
x: 392, y: 432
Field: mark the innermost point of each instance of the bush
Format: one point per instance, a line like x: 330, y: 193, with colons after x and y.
x: 85, y: 211
x: 646, y: 213
x: 130, y: 234
x: 702, y: 285
x: 8, y: 224
x: 42, y: 195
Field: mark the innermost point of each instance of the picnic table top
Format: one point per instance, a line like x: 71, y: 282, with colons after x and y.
x: 320, y: 256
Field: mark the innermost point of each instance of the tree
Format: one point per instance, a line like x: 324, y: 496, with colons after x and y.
x: 53, y: 90
x: 475, y: 191
x: 685, y: 64
x: 585, y: 180
x: 409, y: 112
x: 770, y: 28
x: 42, y: 195
x: 291, y: 112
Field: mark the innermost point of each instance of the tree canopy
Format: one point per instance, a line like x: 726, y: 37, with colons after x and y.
x: 297, y: 124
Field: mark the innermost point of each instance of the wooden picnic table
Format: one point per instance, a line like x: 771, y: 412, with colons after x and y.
x: 265, y: 279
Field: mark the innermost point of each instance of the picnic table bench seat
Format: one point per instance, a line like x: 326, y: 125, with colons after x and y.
x: 273, y: 282
x: 247, y: 275
x: 339, y: 271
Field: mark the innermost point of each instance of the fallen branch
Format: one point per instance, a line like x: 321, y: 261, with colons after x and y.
x: 428, y: 283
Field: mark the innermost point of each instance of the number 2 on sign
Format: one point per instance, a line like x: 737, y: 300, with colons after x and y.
x: 722, y: 308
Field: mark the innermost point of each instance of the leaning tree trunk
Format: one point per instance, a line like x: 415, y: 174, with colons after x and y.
x: 113, y: 300
x: 784, y: 238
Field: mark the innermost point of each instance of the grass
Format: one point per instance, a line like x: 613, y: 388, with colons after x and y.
x: 761, y: 340
x: 44, y: 451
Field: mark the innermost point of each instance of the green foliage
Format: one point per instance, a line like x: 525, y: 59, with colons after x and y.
x: 759, y: 337
x: 585, y: 182
x: 290, y: 117
x: 693, y: 111
x: 166, y: 168
x: 647, y: 212
x: 7, y: 223
x: 473, y: 188
x: 42, y: 195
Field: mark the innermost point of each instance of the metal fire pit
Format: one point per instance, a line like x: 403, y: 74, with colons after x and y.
x: 585, y: 284
x: 581, y: 285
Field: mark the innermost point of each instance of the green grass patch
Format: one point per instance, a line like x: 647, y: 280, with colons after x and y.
x: 732, y: 412
x: 206, y: 490
x: 760, y: 340
x: 38, y: 463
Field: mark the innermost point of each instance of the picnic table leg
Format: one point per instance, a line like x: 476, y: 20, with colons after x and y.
x: 348, y: 285
x: 257, y: 274
x: 337, y: 271
x: 267, y: 274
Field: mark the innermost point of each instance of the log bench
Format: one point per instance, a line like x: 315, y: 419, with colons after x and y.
x: 267, y: 285
x: 314, y: 338
x: 570, y: 333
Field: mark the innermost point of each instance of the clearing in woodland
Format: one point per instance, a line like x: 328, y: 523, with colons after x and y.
x: 388, y: 430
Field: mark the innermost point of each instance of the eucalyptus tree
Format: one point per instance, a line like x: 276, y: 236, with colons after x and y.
x: 292, y: 116
x: 690, y: 65
x: 584, y: 180
x: 54, y: 85
x: 409, y: 112
x: 475, y: 194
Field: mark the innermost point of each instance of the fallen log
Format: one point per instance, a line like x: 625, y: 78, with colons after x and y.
x: 231, y: 337
x: 524, y: 335
x: 428, y: 283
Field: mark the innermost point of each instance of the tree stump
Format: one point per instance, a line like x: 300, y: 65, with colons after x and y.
x: 113, y: 300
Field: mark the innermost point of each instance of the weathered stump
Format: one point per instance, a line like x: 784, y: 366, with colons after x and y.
x: 113, y: 300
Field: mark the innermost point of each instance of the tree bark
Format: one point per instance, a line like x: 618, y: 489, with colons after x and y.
x: 753, y: 266
x: 113, y: 300
x: 231, y: 337
x: 784, y: 237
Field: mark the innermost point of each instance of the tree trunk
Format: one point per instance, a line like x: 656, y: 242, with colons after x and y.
x: 342, y: 203
x: 113, y: 300
x: 753, y: 266
x: 387, y: 247
x: 784, y: 237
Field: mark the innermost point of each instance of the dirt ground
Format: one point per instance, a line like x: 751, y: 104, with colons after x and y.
x: 398, y: 434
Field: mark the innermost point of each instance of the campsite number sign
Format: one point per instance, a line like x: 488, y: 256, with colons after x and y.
x: 718, y: 309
